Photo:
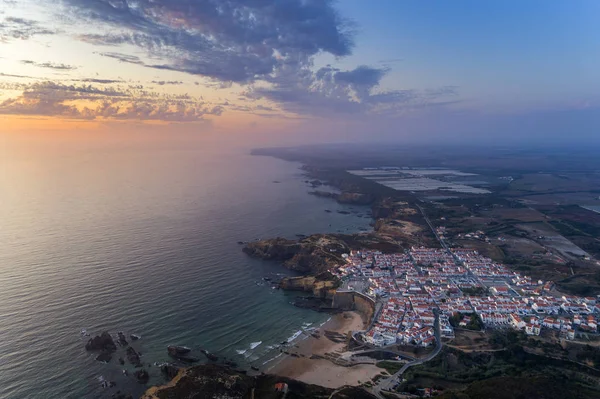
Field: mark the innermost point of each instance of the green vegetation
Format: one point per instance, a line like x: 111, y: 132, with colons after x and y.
x: 514, y: 364
x: 474, y: 323
x: 586, y: 285
x: 538, y: 386
x: 506, y: 339
x: 390, y: 367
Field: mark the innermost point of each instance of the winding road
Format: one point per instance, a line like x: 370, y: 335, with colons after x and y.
x: 388, y: 383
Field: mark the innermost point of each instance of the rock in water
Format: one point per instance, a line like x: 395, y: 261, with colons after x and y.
x: 122, y: 339
x: 121, y: 395
x: 104, y: 357
x: 133, y: 357
x: 209, y: 355
x: 142, y: 376
x: 169, y: 371
x: 102, y: 342
x: 178, y: 350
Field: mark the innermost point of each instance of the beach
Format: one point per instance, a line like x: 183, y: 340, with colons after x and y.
x: 321, y: 371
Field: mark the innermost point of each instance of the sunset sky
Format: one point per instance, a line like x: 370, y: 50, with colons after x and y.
x: 321, y: 70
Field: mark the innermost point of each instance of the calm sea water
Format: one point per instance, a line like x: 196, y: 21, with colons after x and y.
x: 145, y: 241
x: 594, y: 208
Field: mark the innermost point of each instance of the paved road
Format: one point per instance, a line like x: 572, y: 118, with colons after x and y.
x: 382, y: 349
x: 442, y: 242
x: 388, y: 383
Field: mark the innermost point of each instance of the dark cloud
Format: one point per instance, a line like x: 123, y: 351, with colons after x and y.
x: 90, y: 102
x: 8, y: 75
x: 227, y: 40
x: 362, y: 76
x: 50, y: 65
x: 100, y: 81
x: 131, y: 59
x: 21, y: 28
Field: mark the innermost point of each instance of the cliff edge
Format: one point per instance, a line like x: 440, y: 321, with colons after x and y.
x: 318, y: 253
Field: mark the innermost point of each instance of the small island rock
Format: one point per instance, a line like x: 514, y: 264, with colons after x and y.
x: 102, y: 342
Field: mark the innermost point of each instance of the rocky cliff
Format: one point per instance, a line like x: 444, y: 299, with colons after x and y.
x: 311, y: 255
x: 211, y: 381
x: 322, y: 286
x: 346, y: 197
x: 318, y: 253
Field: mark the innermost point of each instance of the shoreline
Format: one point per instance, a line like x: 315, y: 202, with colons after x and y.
x: 320, y: 371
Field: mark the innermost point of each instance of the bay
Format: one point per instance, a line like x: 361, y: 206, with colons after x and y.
x: 144, y: 240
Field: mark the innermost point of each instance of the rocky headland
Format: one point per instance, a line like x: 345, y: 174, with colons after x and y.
x: 317, y: 253
x: 346, y: 197
x: 315, y: 257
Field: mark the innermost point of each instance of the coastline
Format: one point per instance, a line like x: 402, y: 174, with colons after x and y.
x: 321, y: 371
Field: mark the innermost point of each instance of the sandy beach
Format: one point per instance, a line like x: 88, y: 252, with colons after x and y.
x: 320, y: 371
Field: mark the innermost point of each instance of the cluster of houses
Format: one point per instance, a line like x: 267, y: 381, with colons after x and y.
x: 404, y: 320
x: 412, y: 284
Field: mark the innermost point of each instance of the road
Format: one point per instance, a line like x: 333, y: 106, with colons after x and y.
x: 388, y: 383
x: 442, y: 242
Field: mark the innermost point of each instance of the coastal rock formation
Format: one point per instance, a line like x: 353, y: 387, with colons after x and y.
x: 355, y: 198
x: 346, y: 197
x: 102, y: 342
x: 169, y: 371
x: 122, y: 339
x: 318, y: 253
x: 209, y: 356
x: 322, y: 286
x: 142, y: 376
x: 104, y: 357
x: 133, y: 357
x: 178, y: 350
x: 314, y: 254
x: 273, y: 249
x: 212, y: 381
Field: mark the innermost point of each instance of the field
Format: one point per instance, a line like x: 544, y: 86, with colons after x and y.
x: 470, y: 341
x: 515, y: 214
x: 532, y: 219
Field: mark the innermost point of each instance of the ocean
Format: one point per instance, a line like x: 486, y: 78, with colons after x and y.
x: 144, y: 240
x: 594, y: 208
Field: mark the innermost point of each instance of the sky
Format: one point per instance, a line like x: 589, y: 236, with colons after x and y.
x: 304, y: 70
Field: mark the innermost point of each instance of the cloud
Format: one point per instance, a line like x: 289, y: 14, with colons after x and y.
x: 21, y: 28
x: 131, y: 59
x: 90, y: 102
x: 167, y: 82
x: 227, y: 40
x: 100, y: 81
x: 10, y: 75
x: 361, y: 76
x: 268, y: 47
x: 330, y: 90
x: 50, y: 65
